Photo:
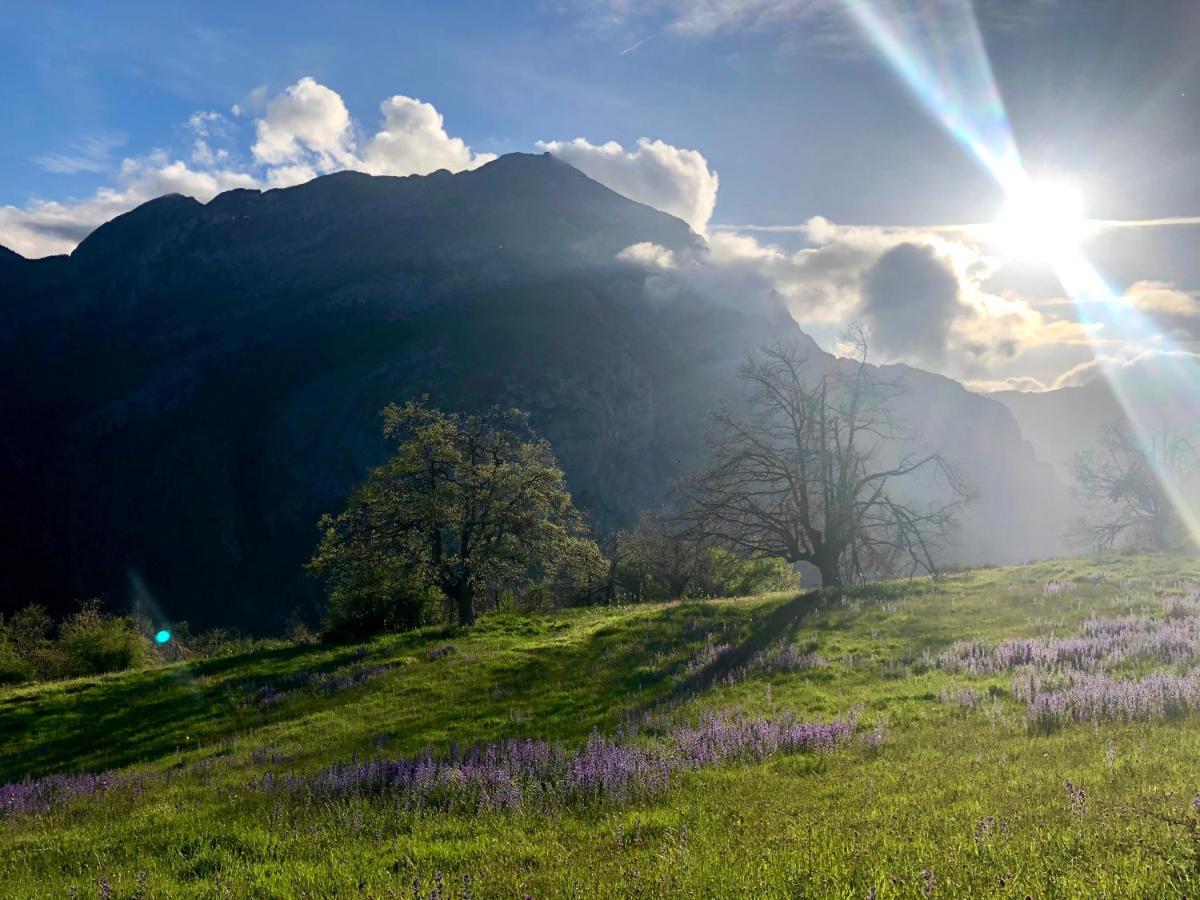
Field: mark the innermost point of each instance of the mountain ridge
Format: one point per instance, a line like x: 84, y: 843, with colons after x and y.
x: 197, y: 382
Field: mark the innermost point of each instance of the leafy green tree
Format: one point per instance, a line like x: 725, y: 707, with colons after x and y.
x: 467, y: 508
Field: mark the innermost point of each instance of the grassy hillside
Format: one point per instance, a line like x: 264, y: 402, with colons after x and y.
x: 697, y: 775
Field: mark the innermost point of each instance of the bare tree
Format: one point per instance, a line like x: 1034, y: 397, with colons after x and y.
x: 808, y: 473
x: 1123, y: 482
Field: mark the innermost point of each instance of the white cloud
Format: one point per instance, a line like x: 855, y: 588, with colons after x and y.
x: 1161, y: 297
x: 306, y: 131
x: 290, y: 176
x: 848, y: 273
x: 308, y: 124
x: 648, y: 254
x: 206, y: 156
x: 1089, y: 371
x: 413, y: 141
x: 303, y: 132
x: 90, y: 154
x: 704, y: 17
x: 47, y: 227
x: 1025, y: 383
x: 672, y: 179
x: 823, y: 23
x: 204, y: 123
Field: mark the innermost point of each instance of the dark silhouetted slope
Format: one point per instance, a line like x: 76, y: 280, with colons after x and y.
x: 196, y: 383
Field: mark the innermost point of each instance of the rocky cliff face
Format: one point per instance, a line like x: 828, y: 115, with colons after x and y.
x: 185, y: 394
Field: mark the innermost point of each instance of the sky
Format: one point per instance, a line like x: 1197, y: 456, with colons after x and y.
x: 845, y: 153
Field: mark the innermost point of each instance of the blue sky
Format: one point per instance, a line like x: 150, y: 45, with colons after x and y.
x: 794, y: 109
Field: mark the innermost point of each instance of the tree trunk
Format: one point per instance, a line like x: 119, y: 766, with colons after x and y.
x: 831, y: 572
x: 464, y: 596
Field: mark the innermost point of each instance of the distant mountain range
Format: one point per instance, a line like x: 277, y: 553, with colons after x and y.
x: 1060, y: 423
x: 182, y: 396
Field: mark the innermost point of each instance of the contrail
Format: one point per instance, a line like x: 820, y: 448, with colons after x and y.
x: 634, y: 47
x: 1146, y: 223
x: 1095, y: 225
x: 803, y: 227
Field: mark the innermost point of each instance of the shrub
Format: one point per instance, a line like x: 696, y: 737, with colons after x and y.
x: 14, y: 669
x: 382, y: 597
x: 93, y: 642
x: 729, y: 575
x: 26, y: 649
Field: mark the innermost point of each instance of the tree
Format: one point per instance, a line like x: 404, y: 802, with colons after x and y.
x: 808, y: 474
x: 1123, y: 483
x: 657, y: 560
x: 468, y: 506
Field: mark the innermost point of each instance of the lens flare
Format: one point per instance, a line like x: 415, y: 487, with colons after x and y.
x: 936, y: 48
x: 162, y: 636
x: 1041, y: 222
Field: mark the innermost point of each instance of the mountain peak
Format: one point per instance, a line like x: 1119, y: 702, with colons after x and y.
x: 142, y: 227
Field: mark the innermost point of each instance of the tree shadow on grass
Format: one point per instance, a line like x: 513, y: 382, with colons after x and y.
x: 111, y: 722
x: 778, y: 625
x: 607, y: 678
x: 536, y: 686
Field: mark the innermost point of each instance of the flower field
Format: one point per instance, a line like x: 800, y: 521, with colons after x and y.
x: 1017, y: 732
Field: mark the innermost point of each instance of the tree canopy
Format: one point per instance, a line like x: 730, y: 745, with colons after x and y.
x: 467, y: 509
x: 813, y: 469
x: 1126, y: 485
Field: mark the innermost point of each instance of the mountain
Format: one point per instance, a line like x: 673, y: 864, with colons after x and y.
x: 1062, y: 422
x: 185, y: 393
x: 1159, y: 392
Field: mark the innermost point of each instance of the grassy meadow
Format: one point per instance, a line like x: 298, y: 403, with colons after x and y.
x: 949, y: 786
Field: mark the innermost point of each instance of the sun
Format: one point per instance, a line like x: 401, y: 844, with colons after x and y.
x: 1041, y: 222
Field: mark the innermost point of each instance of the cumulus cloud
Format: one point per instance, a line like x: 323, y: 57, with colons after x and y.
x: 1089, y: 371
x: 304, y: 131
x: 307, y: 131
x: 1161, y: 297
x: 306, y: 128
x: 649, y: 255
x: 47, y: 227
x: 413, y: 141
x: 211, y: 129
x: 910, y: 301
x: 672, y: 179
x: 1024, y: 383
x: 922, y: 292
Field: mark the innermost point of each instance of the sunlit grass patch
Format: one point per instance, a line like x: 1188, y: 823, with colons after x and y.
x: 945, y: 789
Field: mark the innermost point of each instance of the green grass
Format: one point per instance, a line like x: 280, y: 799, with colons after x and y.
x: 837, y: 824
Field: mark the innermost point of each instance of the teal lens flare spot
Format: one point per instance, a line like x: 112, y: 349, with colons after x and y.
x: 163, y: 636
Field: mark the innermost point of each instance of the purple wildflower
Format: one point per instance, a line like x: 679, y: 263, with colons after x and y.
x: 34, y: 796
x: 1077, y: 797
x: 516, y: 773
